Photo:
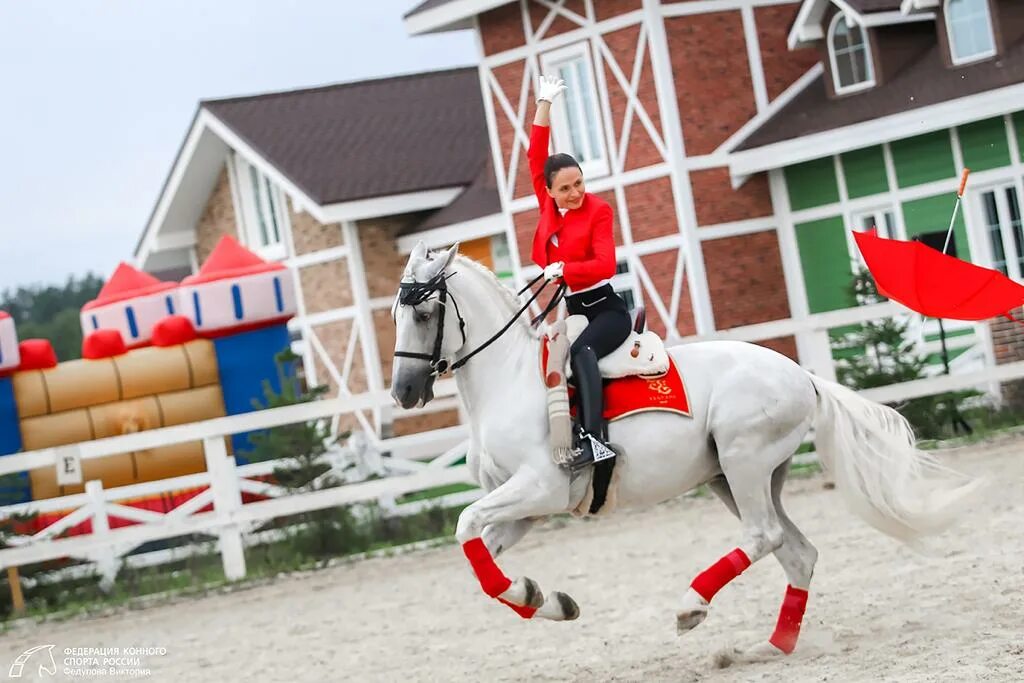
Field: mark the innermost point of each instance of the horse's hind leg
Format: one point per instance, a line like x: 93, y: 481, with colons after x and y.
x: 796, y: 555
x: 748, y: 461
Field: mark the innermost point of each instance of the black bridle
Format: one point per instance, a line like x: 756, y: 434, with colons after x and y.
x: 415, y: 293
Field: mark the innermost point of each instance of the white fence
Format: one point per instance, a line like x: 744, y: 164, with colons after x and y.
x: 412, y: 464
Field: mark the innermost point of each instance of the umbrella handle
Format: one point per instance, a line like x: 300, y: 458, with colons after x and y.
x: 963, y: 182
x: 956, y: 207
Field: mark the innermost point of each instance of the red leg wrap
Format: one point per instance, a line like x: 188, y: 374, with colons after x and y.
x: 712, y: 579
x: 524, y: 612
x: 787, y: 630
x: 492, y: 580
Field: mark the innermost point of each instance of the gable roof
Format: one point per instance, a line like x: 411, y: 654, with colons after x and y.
x: 351, y: 141
x: 807, y: 26
x: 479, y: 200
x: 924, y: 85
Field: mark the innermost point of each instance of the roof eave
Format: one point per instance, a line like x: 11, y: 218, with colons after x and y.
x: 451, y: 16
x: 905, y: 124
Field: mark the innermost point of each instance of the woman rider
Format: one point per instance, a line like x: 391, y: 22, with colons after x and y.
x: 574, y: 242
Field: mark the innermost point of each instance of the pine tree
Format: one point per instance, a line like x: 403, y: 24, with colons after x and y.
x: 300, y: 448
x: 878, y: 354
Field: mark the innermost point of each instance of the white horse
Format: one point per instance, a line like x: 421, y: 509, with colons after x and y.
x: 751, y: 408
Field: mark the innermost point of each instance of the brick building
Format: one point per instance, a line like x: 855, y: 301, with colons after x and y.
x: 739, y: 142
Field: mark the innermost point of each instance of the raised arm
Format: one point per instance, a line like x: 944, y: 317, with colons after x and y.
x: 548, y: 88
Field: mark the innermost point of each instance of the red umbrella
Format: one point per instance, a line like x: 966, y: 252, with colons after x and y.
x: 935, y: 284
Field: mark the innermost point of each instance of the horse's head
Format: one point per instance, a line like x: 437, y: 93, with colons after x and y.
x: 429, y: 333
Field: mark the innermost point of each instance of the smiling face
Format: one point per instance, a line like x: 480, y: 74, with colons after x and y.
x: 567, y: 188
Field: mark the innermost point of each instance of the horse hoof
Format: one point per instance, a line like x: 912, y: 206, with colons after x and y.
x: 559, y: 607
x: 524, y: 592
x: 688, y: 620
x: 695, y: 610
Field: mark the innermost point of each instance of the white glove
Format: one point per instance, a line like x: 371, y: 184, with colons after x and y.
x: 553, y: 271
x: 549, y: 88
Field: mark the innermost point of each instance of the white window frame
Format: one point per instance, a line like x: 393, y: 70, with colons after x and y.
x: 626, y: 281
x: 1012, y: 258
x: 868, y: 61
x: 952, y: 44
x: 889, y: 230
x: 550, y: 62
x: 274, y: 248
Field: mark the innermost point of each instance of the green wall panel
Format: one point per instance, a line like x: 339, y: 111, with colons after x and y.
x: 932, y: 214
x: 923, y: 158
x: 984, y: 144
x: 826, y: 264
x: 1018, y: 122
x: 812, y: 183
x: 865, y: 172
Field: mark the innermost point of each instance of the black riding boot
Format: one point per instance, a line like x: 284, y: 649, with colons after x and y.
x: 590, y: 407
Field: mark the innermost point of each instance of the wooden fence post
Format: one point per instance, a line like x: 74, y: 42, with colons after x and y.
x: 104, y: 556
x: 227, y: 498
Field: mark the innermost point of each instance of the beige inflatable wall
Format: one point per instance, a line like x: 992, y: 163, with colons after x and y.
x: 92, y: 399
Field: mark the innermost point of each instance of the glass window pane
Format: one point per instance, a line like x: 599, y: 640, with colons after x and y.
x: 272, y: 207
x: 970, y: 28
x: 254, y: 176
x: 890, y: 224
x: 573, y: 114
x: 994, y: 234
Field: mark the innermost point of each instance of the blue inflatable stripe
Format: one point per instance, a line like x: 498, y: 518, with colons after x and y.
x: 10, y: 428
x: 245, y: 361
x: 199, y: 311
x: 95, y: 323
x: 170, y: 305
x: 236, y: 297
x: 133, y: 327
x: 278, y: 296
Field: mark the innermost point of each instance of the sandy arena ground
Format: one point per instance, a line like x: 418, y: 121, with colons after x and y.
x: 877, y: 611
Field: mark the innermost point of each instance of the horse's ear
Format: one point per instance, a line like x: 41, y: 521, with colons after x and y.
x: 450, y: 255
x: 419, y: 252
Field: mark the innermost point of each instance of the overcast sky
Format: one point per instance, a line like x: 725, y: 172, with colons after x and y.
x: 96, y: 96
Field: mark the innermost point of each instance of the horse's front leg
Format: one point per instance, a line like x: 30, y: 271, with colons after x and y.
x: 503, y: 516
x: 501, y: 536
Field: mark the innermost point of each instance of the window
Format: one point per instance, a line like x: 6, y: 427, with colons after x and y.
x: 501, y: 258
x: 1001, y: 212
x: 849, y: 53
x: 263, y: 211
x: 624, y: 284
x: 882, y: 220
x: 969, y: 29
x: 575, y: 121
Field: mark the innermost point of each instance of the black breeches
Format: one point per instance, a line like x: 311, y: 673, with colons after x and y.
x: 609, y: 320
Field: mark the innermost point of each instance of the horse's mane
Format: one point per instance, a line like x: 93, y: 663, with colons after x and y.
x: 511, y: 300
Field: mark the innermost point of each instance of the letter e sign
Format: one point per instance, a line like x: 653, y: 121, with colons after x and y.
x: 69, y: 465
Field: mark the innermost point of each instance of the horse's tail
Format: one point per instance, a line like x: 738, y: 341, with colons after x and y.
x: 870, y: 450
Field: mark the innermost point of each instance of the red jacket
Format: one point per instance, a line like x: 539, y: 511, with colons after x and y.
x: 585, y: 241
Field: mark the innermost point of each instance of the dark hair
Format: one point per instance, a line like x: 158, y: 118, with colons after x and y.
x: 555, y: 163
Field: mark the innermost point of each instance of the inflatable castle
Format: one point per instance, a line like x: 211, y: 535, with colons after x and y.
x: 154, y: 354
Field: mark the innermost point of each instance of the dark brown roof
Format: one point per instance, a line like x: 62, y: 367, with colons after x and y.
x: 925, y: 82
x: 478, y: 200
x: 369, y: 138
x: 869, y: 6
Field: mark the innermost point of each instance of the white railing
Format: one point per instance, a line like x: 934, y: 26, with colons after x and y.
x: 414, y: 464
x: 413, y: 461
